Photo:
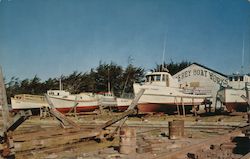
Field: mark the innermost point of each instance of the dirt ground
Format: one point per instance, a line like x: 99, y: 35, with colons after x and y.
x: 151, y: 130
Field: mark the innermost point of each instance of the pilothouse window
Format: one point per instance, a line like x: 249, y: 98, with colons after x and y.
x: 241, y: 78
x: 230, y: 78
x: 152, y: 78
x: 158, y: 77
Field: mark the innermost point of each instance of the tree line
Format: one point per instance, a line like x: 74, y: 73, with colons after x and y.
x: 106, y: 75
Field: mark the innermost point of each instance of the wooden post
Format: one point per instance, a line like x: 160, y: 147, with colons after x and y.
x: 64, y: 121
x: 177, y: 105
x: 3, y: 102
x: 205, y: 103
x: 183, y: 107
x: 194, y: 107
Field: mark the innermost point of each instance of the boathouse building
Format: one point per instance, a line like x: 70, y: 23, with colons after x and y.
x: 201, y: 79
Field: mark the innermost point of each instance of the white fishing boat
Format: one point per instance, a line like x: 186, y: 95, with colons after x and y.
x: 63, y: 101
x: 28, y: 101
x: 106, y: 99
x: 123, y: 103
x: 163, y: 94
x: 231, y: 96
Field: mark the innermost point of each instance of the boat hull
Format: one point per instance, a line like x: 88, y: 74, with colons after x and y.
x: 28, y: 102
x: 24, y: 104
x: 123, y: 104
x: 232, y: 100
x: 65, y: 105
x: 161, y: 108
x: 166, y: 99
x: 236, y: 107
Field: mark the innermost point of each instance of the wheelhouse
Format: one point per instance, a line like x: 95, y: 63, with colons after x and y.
x: 159, y: 78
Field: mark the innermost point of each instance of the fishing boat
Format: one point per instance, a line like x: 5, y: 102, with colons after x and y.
x: 28, y: 101
x: 123, y: 103
x: 63, y: 101
x: 106, y: 99
x: 239, y: 85
x: 163, y: 93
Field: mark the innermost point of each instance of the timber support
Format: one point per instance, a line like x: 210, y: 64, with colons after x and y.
x: 9, y: 123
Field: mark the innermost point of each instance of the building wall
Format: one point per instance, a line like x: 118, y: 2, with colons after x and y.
x: 201, y: 78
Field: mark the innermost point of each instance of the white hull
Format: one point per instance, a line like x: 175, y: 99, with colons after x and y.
x: 85, y: 102
x: 27, y: 101
x: 168, y: 95
x: 232, y: 99
x: 123, y: 103
x: 165, y: 99
x: 22, y: 104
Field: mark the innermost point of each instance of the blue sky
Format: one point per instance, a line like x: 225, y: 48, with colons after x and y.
x: 53, y: 37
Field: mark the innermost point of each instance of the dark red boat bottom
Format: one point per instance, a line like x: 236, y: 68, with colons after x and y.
x: 236, y: 107
x: 165, y: 108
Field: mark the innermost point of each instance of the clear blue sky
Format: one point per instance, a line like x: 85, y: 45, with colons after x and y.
x: 53, y: 37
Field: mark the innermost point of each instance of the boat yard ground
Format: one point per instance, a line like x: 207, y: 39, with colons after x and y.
x: 206, y: 136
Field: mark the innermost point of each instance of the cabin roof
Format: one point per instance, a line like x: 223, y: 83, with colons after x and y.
x: 238, y: 75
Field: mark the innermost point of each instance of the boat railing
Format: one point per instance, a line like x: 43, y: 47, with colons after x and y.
x: 29, y: 97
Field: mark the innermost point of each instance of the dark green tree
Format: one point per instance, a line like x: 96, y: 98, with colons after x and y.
x: 171, y: 67
x: 131, y: 75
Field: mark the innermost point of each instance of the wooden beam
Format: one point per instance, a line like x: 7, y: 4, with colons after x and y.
x: 131, y: 110
x: 3, y: 102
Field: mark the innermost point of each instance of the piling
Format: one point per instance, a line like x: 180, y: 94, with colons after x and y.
x: 127, y: 141
x: 176, y: 129
x: 248, y: 116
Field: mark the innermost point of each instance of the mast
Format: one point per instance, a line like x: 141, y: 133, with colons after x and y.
x: 163, y: 53
x: 108, y: 82
x: 242, y: 56
x: 60, y: 83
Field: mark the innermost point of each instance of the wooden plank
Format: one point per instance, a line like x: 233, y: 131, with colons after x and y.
x: 247, y: 156
x: 59, y: 116
x: 54, y: 141
x: 3, y: 102
x: 129, y: 111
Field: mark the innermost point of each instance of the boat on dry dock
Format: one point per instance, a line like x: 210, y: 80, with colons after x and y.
x: 231, y: 96
x: 63, y: 101
x: 123, y: 103
x: 163, y: 93
x: 106, y: 99
x: 28, y: 101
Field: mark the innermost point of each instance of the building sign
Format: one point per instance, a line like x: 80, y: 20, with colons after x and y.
x: 203, y: 73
